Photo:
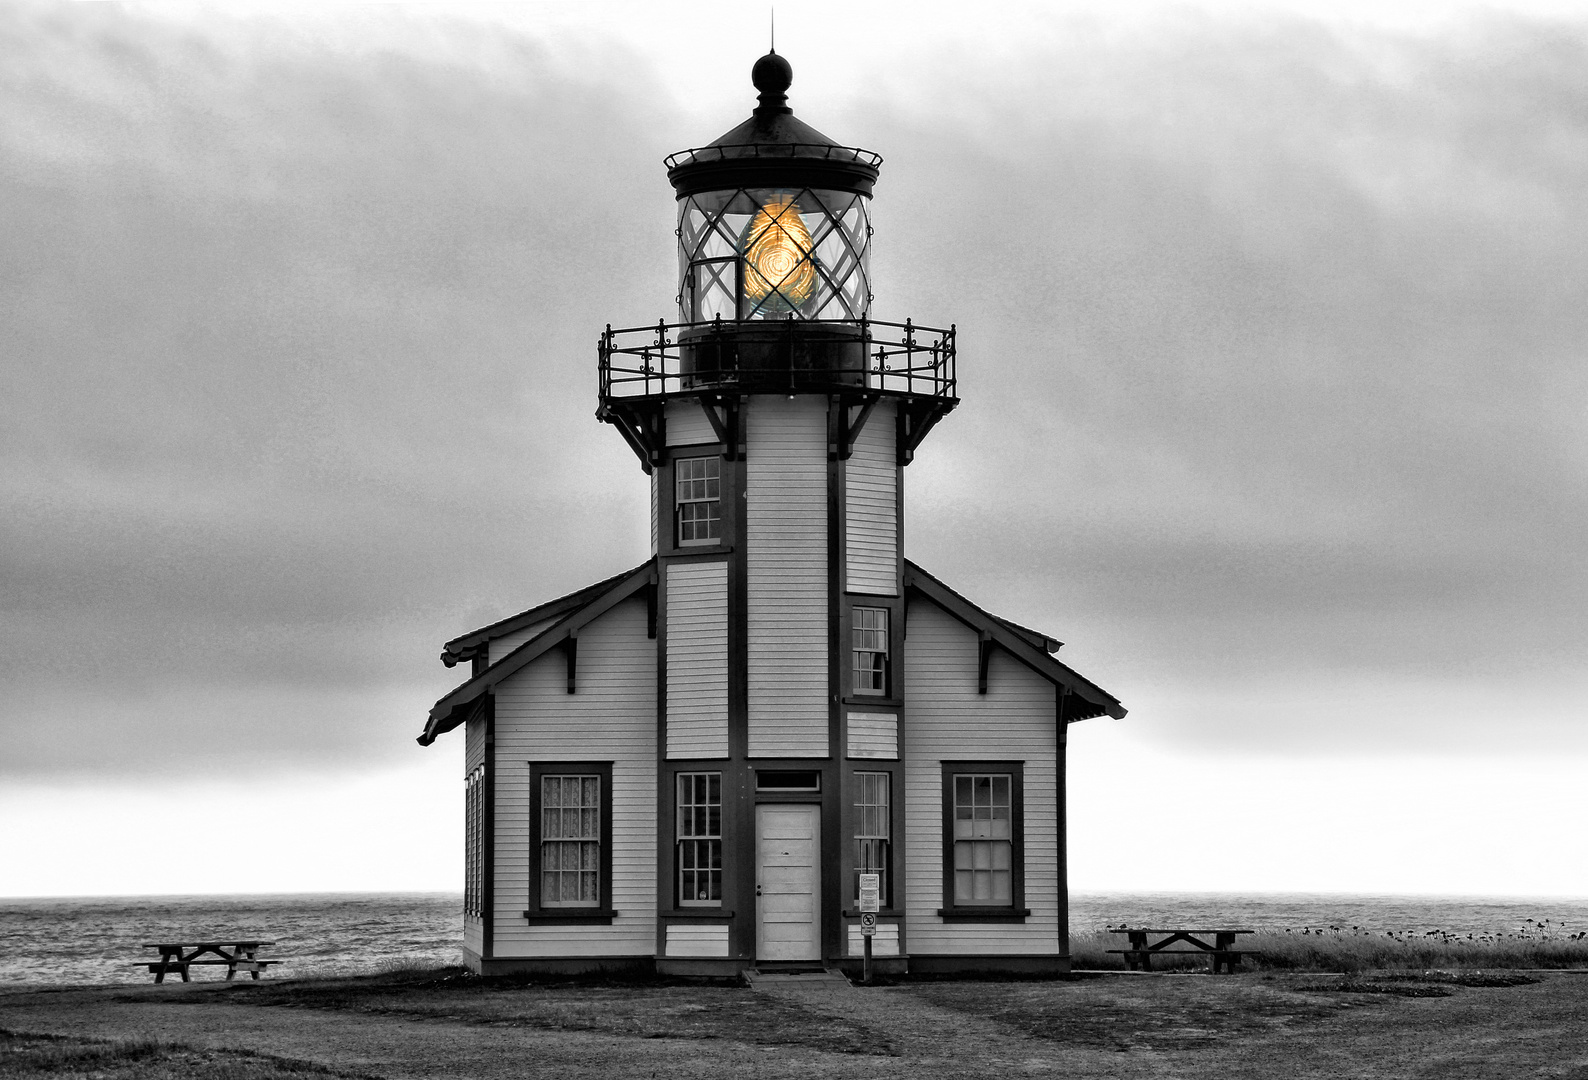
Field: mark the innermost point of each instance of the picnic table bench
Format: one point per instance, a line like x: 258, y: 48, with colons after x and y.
x: 178, y: 956
x: 1221, y: 953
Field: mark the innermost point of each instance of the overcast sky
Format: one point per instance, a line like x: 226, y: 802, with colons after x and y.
x: 1275, y: 410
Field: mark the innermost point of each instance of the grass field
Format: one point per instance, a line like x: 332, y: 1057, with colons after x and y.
x: 1350, y: 949
x: 438, y: 1023
x: 26, y: 1056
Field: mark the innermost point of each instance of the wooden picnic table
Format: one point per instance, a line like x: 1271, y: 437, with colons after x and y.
x: 237, y: 955
x: 1221, y: 952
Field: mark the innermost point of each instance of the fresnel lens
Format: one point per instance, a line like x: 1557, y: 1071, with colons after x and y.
x: 779, y: 272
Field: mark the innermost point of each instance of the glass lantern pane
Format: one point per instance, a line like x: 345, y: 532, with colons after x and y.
x: 773, y: 253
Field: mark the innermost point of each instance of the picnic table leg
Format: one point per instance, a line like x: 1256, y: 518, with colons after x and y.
x: 159, y: 972
x: 1138, y: 942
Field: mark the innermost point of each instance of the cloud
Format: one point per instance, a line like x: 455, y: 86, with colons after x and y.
x: 1280, y: 325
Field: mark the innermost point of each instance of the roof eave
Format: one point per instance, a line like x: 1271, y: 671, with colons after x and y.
x: 1036, y: 657
x: 453, y: 709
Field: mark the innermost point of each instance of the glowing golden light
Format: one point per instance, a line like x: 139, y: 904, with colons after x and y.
x: 777, y: 256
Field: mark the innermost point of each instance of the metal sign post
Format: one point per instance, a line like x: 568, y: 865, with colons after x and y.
x: 870, y: 904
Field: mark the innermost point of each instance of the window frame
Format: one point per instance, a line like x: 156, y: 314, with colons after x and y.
x: 684, y: 458
x: 855, y: 689
x: 601, y: 912
x: 1015, y: 910
x: 474, y: 900
x: 856, y: 837
x: 680, y: 838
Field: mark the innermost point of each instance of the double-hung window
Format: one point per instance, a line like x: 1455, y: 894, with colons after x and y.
x: 700, y: 839
x: 698, y: 486
x: 873, y: 830
x: 869, y: 645
x: 983, y: 840
x: 571, y: 841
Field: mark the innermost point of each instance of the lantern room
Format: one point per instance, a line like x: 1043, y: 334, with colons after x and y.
x: 774, y: 287
x: 773, y: 217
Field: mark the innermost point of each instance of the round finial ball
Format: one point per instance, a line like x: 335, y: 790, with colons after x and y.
x: 772, y: 74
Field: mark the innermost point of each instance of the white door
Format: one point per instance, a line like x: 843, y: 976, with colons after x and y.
x: 788, y: 883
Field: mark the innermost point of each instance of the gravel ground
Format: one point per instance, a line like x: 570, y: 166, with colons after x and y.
x: 1300, y: 1027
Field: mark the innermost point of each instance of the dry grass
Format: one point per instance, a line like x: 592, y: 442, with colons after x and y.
x: 1353, y: 949
x: 25, y: 1056
x: 634, y: 1006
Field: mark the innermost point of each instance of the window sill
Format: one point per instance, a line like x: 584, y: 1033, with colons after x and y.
x: 573, y: 916
x: 971, y: 914
x: 883, y: 702
x: 698, y: 549
x: 885, y: 913
x: 707, y: 913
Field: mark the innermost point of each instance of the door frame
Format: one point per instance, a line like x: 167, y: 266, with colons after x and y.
x: 814, y: 806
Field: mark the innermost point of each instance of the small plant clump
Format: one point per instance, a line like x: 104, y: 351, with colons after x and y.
x: 1540, y: 943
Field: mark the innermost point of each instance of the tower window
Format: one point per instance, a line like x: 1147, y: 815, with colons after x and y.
x: 873, y: 830
x: 699, y: 839
x: 870, y: 645
x: 698, y: 482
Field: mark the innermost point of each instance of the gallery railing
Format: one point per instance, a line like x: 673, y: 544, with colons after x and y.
x: 777, y: 356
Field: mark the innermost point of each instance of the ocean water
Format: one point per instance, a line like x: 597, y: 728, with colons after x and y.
x: 100, y: 939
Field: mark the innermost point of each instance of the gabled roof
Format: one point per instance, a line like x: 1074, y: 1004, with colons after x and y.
x: 575, y: 610
x: 466, y: 646
x: 1025, y: 645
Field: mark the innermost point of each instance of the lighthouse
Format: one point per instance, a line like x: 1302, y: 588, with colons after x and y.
x: 694, y: 766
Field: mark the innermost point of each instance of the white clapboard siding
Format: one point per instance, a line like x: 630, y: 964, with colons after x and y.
x: 874, y: 736
x: 687, y: 424
x: 697, y: 939
x: 950, y: 721
x: 786, y: 569
x: 501, y: 646
x: 473, y: 745
x: 656, y: 511
x: 612, y: 718
x: 884, y: 943
x: 871, y: 508
x: 697, y: 660
x: 474, y: 934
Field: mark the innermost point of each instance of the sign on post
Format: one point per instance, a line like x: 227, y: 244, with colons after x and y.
x: 870, y: 893
x: 868, y: 923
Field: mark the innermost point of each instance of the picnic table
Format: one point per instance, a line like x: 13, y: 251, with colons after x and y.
x: 178, y: 956
x: 1221, y: 952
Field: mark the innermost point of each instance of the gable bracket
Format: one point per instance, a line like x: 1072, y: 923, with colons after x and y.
x: 644, y: 429
x: 725, y: 426
x: 571, y: 648
x: 848, y: 432
x: 917, y: 416
x: 984, y: 648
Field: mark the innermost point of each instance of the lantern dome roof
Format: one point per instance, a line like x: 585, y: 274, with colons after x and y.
x: 773, y: 148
